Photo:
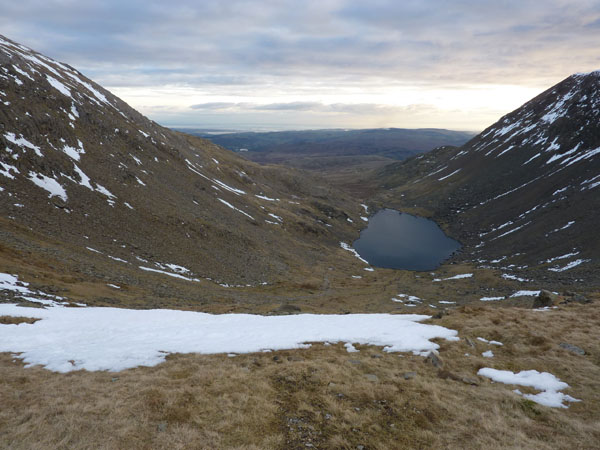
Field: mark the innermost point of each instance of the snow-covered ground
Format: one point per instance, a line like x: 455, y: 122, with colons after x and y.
x: 353, y: 251
x: 526, y: 293
x: 544, y: 381
x: 114, y: 339
x: 491, y: 299
x: 21, y: 289
x: 455, y: 277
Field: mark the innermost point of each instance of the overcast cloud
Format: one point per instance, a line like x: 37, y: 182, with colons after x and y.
x: 346, y: 62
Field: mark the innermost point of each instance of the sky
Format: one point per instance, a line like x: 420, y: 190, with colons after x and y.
x: 281, y: 64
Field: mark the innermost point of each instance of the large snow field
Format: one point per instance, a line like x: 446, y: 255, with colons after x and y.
x: 114, y: 339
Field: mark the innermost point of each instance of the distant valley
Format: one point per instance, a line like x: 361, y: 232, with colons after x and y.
x: 328, y: 151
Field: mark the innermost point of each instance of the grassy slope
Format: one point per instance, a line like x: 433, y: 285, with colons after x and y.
x: 322, y: 396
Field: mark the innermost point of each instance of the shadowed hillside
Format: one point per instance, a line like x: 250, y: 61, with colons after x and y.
x: 522, y: 195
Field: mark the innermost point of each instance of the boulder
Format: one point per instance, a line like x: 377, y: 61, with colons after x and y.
x: 440, y: 314
x: 546, y: 298
x: 581, y: 299
x: 574, y: 297
x: 289, y: 309
x: 469, y: 380
x: 572, y: 348
x: 446, y: 375
x: 434, y: 360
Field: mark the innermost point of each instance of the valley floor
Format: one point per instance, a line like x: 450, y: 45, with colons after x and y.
x: 324, y: 396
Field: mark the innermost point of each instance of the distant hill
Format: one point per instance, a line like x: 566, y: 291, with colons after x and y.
x: 523, y: 194
x: 331, y: 149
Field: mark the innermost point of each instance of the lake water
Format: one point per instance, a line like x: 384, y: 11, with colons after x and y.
x: 397, y: 240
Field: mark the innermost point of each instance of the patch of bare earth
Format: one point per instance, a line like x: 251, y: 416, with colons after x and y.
x: 324, y: 397
x: 11, y: 320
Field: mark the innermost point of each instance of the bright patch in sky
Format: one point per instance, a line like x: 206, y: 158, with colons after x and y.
x: 356, y: 107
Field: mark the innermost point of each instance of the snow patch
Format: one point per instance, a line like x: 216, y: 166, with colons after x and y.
x: 22, y: 142
x: 229, y: 188
x: 53, y: 187
x: 350, y: 348
x: 448, y: 176
x: 264, y: 197
x: 5, y: 170
x: 104, y: 191
x: 526, y: 293
x: 58, y: 86
x: 234, y: 208
x: 279, y: 219
x: 353, y: 251
x: 405, y: 297
x: 68, y: 339
x: 513, y: 277
x: 20, y: 289
x: 556, y: 258
x: 74, y: 153
x: 455, y: 277
x: 491, y: 299
x: 569, y: 265
x: 101, y: 97
x: 489, y: 342
x: 164, y: 272
x: 114, y: 258
x: 531, y: 159
x: 85, y: 180
x: 544, y: 381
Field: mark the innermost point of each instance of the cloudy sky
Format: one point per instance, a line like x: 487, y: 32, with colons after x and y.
x: 280, y: 64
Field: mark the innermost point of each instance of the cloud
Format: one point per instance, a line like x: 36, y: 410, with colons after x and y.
x: 215, y: 106
x: 321, y: 40
x: 317, y: 107
x: 291, y: 106
x: 305, y: 52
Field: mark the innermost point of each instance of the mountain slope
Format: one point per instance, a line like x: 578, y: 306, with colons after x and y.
x: 90, y: 187
x: 524, y: 191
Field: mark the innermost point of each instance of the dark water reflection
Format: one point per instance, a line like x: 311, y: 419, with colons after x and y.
x: 397, y: 240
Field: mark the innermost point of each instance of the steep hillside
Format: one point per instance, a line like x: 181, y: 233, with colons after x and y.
x: 95, y: 192
x: 523, y: 194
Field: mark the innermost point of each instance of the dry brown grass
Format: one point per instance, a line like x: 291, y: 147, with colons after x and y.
x: 322, y: 396
x: 11, y: 320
